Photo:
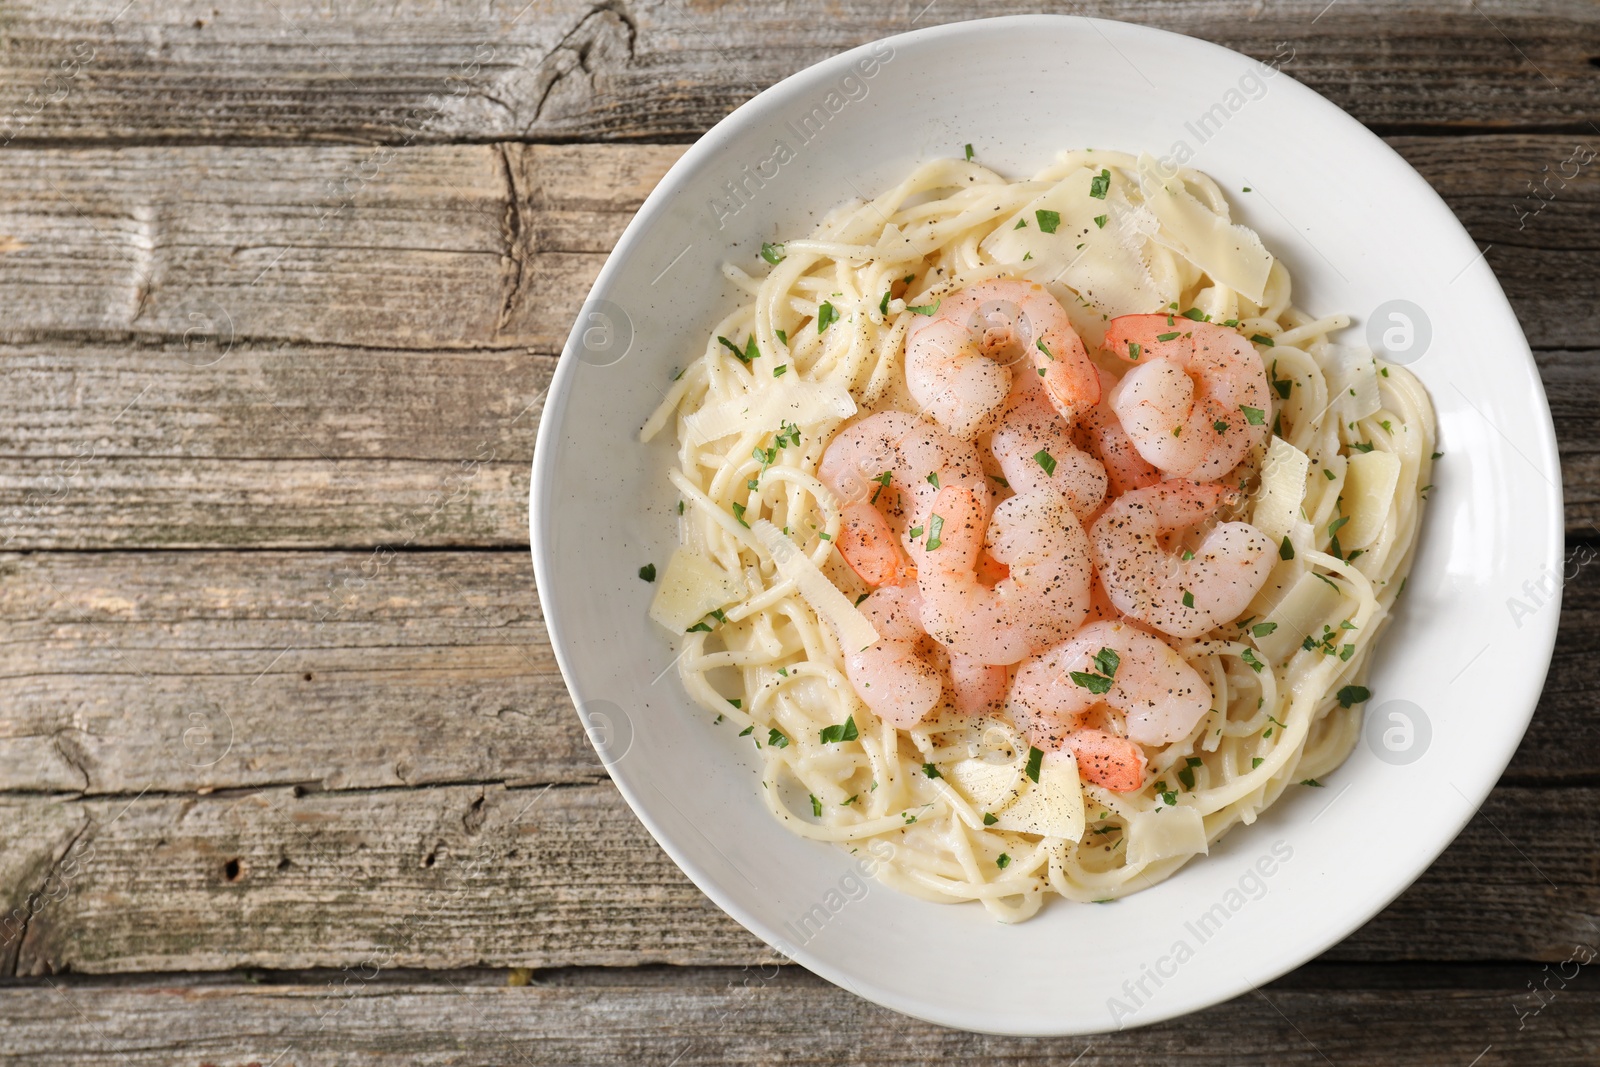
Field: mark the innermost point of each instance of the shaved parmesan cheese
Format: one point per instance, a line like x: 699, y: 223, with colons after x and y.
x: 833, y: 607
x: 1164, y: 832
x: 990, y: 786
x: 1050, y: 807
x: 1369, y: 489
x: 1355, y: 374
x: 791, y: 399
x: 1104, y: 265
x: 1302, y: 612
x: 1283, y: 489
x: 692, y: 587
x: 1232, y: 255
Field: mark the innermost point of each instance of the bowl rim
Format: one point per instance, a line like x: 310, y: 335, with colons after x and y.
x: 707, y: 146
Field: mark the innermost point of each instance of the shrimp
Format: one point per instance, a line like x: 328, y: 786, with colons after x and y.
x: 1196, y: 400
x: 894, y: 676
x: 1036, y: 454
x: 959, y: 361
x: 1158, y: 694
x: 1182, y: 595
x: 1108, y: 760
x: 978, y: 687
x: 886, y: 469
x: 1103, y: 437
x: 1043, y: 597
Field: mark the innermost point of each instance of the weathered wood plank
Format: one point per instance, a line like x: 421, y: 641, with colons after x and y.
x: 434, y: 249
x: 1320, y: 1014
x: 481, y: 875
x: 436, y: 70
x: 184, y: 671
x: 426, y: 247
x: 270, y: 445
x: 192, y: 671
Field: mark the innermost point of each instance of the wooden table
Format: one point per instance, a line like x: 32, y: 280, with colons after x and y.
x: 284, y: 283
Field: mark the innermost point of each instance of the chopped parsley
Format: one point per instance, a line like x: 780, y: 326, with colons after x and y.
x: 862, y: 597
x: 1035, y: 761
x: 1188, y: 599
x: 1048, y: 220
x: 816, y: 805
x: 883, y: 305
x: 933, y: 479
x: 1167, y: 336
x: 969, y: 153
x: 1001, y: 481
x: 931, y: 771
x: 916, y: 531
x: 1256, y: 761
x: 1263, y: 339
x: 827, y: 315
x: 1251, y: 661
x: 1196, y: 315
x: 780, y: 370
x: 1106, y: 661
x: 1220, y: 426
x: 935, y: 528
x: 1281, y: 385
x: 776, y: 738
x: 1045, y: 460
x: 1254, y: 416
x: 883, y: 483
x: 1262, y: 629
x: 1039, y: 344
x: 1352, y: 695
x: 1186, y: 772
x: 738, y: 513
x: 989, y: 818
x: 845, y: 731
x: 736, y: 702
x: 1361, y: 446
x: 1328, y: 474
x: 1094, y: 683
x: 772, y: 253
x: 926, y: 309
x: 1135, y: 350
x: 1313, y: 783
x: 747, y: 354
x: 648, y: 572
x: 1100, y: 221
x: 1022, y: 224
x: 1100, y: 185
x: 1003, y: 862
x: 1169, y: 797
x: 783, y: 337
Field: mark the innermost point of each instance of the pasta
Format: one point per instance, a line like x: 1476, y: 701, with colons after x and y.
x: 821, y: 342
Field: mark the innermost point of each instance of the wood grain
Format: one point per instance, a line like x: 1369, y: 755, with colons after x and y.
x: 442, y: 70
x: 762, y: 1015
x: 185, y: 671
x: 389, y: 248
x: 467, y: 875
x: 495, y: 246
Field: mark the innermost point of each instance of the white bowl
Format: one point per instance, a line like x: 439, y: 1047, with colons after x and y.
x: 1359, y: 230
